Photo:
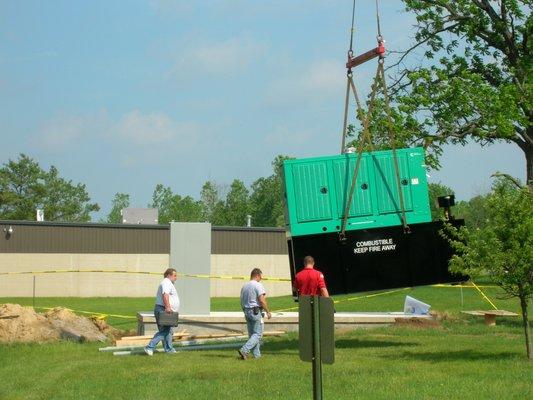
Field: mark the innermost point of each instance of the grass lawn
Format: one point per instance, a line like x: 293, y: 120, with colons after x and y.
x: 460, y: 358
x: 443, y: 299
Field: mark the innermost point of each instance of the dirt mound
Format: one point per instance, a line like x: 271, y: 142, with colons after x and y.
x: 72, y: 326
x: 418, y: 322
x: 23, y: 324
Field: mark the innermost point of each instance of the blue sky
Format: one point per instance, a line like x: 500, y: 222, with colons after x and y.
x: 124, y: 95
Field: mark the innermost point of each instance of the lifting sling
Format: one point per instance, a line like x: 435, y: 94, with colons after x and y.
x: 365, y: 135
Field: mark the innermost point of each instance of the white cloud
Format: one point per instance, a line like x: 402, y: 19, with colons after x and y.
x: 133, y: 130
x: 64, y: 130
x: 219, y: 58
x: 285, y: 136
x: 60, y: 132
x: 321, y: 80
x: 153, y: 128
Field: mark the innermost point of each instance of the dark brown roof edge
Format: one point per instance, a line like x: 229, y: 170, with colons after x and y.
x: 133, y: 226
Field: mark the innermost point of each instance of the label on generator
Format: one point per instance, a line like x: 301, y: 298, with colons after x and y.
x: 374, y: 246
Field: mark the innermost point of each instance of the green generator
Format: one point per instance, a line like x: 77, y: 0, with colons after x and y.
x: 316, y: 191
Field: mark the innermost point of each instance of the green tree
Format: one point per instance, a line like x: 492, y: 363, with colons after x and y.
x: 173, y: 207
x: 480, y: 89
x: 212, y: 206
x: 503, y: 247
x: 120, y: 201
x: 266, y: 200
x: 237, y: 205
x: 25, y: 187
x: 474, y: 211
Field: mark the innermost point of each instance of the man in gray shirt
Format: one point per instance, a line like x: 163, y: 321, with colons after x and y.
x: 253, y: 301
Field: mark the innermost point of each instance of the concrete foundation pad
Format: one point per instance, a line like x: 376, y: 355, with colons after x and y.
x: 231, y: 322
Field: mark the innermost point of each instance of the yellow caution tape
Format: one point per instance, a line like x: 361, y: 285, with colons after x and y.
x: 371, y: 295
x: 118, y: 271
x: 458, y: 285
x: 62, y: 271
x: 352, y: 298
x: 205, y: 276
x: 200, y: 276
x: 484, y: 296
x: 92, y: 313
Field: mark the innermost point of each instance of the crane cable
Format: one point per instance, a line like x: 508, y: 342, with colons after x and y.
x: 366, y: 134
x: 349, y: 85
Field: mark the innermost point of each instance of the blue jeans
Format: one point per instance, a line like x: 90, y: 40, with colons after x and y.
x: 164, y: 333
x: 255, y: 333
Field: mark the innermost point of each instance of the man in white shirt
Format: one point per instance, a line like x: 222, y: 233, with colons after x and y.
x: 167, y: 300
x: 253, y: 301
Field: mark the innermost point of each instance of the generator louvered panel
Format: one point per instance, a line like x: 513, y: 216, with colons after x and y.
x: 387, y: 185
x: 343, y: 171
x: 311, y: 192
x: 316, y: 190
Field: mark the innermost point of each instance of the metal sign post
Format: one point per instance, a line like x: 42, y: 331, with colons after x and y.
x: 316, y: 336
x: 317, y: 359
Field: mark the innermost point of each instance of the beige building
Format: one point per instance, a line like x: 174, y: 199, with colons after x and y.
x: 138, y: 249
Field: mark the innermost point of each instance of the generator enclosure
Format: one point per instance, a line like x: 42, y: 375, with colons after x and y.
x: 316, y: 191
x: 377, y: 259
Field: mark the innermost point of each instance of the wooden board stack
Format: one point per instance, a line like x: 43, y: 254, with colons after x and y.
x: 134, y: 344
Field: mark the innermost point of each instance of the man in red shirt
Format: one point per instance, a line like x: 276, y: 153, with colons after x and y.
x: 309, y: 281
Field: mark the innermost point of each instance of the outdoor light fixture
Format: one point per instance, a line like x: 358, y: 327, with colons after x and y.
x: 446, y: 202
x: 8, y: 232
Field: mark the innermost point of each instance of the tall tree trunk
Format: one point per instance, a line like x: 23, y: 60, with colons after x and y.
x: 523, y: 305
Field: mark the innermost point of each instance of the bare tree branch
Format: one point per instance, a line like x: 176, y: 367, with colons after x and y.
x: 508, y: 177
x: 409, y: 50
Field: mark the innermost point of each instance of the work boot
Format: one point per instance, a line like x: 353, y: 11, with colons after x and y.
x: 242, y: 355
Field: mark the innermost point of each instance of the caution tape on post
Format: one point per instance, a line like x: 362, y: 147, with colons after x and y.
x: 484, y: 295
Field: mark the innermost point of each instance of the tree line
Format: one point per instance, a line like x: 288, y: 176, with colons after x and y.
x: 25, y: 186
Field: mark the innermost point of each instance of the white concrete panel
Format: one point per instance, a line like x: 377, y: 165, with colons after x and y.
x: 190, y: 253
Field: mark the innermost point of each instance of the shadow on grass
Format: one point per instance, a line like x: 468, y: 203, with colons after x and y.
x: 457, y: 355
x: 290, y: 346
x: 362, y: 343
x: 341, y: 344
x: 513, y: 323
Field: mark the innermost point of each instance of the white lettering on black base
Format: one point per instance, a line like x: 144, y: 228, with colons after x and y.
x: 374, y: 246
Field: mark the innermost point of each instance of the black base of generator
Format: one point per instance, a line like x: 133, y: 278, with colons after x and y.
x: 376, y: 259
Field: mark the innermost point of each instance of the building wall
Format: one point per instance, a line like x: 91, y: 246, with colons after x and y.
x: 49, y: 246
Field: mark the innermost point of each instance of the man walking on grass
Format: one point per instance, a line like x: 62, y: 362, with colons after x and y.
x: 253, y: 302
x: 167, y: 301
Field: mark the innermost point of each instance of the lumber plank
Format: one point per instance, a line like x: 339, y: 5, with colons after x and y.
x: 176, y: 344
x: 144, y: 340
x: 490, y: 316
x: 185, y: 348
